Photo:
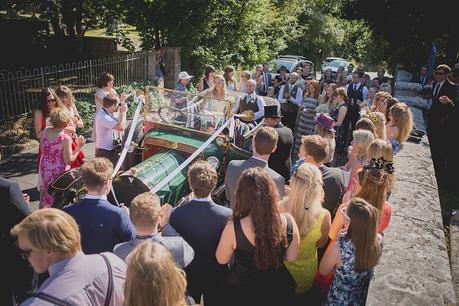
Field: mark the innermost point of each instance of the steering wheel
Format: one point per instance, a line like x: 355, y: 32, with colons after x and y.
x: 172, y: 115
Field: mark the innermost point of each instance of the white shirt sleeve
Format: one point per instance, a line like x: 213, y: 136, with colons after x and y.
x: 346, y: 87
x: 261, y: 108
x: 299, y: 97
x: 365, y: 92
x: 107, y: 121
x: 281, y: 94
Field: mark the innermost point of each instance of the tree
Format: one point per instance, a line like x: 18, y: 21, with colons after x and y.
x: 70, y: 19
x: 409, y: 28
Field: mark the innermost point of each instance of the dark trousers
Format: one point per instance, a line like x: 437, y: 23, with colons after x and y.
x: 289, y: 119
x: 207, y: 283
x: 110, y: 155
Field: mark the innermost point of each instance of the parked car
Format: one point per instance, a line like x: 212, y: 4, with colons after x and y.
x: 334, y: 65
x: 291, y: 62
x: 328, y: 60
x: 162, y: 142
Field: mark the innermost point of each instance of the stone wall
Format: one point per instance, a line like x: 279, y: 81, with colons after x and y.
x: 414, y: 268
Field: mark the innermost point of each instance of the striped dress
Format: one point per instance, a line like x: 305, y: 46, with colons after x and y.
x: 305, y: 123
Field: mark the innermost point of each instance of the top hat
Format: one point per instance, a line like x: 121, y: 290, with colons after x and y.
x: 272, y: 111
x: 325, y: 121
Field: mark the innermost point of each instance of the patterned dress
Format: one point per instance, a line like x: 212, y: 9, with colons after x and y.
x: 51, y: 166
x: 348, y: 287
x: 305, y: 123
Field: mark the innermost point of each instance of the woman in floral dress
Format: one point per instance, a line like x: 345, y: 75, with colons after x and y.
x: 57, y: 154
x: 352, y: 262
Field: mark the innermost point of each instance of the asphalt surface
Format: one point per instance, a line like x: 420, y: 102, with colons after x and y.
x: 22, y: 168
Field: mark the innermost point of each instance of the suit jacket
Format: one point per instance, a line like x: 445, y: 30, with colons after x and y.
x: 235, y: 169
x: 102, y: 225
x: 201, y: 224
x: 441, y: 111
x: 14, y: 210
x: 333, y: 179
x: 280, y: 160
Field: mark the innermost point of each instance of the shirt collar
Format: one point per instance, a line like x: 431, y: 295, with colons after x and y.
x: 94, y: 197
x: 207, y: 199
x: 57, y: 267
x: 144, y: 237
x: 257, y: 158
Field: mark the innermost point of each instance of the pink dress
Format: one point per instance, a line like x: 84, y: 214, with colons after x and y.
x: 51, y: 166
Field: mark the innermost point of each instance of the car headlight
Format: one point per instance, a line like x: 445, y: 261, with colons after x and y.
x: 213, y: 161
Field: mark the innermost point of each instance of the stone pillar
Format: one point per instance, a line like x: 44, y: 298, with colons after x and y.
x: 173, y: 64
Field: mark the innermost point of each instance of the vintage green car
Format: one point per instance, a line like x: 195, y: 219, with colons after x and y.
x: 163, y: 139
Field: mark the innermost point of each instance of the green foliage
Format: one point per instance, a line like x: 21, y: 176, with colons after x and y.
x: 87, y: 108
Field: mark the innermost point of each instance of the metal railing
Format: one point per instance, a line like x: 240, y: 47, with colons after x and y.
x: 20, y: 91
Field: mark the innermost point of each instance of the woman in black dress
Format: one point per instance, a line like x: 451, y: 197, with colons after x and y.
x: 261, y: 238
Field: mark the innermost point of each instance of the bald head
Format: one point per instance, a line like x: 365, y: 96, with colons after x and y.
x: 293, y: 77
x: 251, y: 85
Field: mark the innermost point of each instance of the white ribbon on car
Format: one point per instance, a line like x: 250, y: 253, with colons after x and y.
x: 140, y: 101
x: 166, y: 180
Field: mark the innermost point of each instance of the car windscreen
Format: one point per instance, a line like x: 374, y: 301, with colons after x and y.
x: 338, y: 64
x: 276, y: 64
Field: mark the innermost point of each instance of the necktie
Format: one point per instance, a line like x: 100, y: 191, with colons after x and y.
x: 266, y: 82
x: 437, y: 89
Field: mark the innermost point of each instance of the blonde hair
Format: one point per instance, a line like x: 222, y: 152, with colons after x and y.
x: 402, y: 118
x: 362, y: 138
x: 379, y: 120
x: 305, y: 199
x: 95, y: 172
x: 59, y: 117
x: 145, y: 210
x: 380, y: 149
x: 152, y: 278
x: 246, y: 74
x: 379, y: 94
x: 50, y: 229
x: 323, y: 132
x: 214, y: 89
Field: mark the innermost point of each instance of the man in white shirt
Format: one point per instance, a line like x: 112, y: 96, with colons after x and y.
x: 251, y: 101
x: 290, y: 97
x: 108, y: 121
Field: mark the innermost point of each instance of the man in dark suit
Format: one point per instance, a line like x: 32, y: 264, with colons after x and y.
x: 267, y: 79
x: 280, y: 160
x: 201, y: 223
x: 16, y: 269
x: 441, y: 117
x: 264, y: 144
x: 102, y: 225
x: 422, y: 78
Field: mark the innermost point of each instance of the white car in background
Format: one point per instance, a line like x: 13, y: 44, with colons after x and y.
x: 291, y: 62
x: 334, y: 65
x: 328, y: 60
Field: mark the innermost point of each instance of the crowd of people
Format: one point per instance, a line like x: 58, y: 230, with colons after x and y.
x: 295, y: 230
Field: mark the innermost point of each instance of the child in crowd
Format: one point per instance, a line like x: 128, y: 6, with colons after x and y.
x: 358, y: 152
x: 400, y: 125
x: 353, y: 257
x: 379, y: 120
x: 57, y: 154
x: 324, y: 128
x: 152, y: 278
x: 304, y: 203
x: 366, y: 124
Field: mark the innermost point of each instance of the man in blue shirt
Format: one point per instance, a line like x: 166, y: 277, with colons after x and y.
x: 102, y: 225
x: 201, y: 222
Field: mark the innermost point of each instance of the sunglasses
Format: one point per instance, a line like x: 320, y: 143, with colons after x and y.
x: 25, y: 254
x: 439, y: 73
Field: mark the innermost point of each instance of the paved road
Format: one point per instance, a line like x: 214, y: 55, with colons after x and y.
x: 22, y: 168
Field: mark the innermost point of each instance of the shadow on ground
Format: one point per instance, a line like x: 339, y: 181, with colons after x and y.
x: 18, y: 165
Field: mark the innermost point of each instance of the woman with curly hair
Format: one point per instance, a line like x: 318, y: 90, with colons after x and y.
x: 261, y: 238
x: 152, y: 278
x: 304, y: 202
x: 379, y: 120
